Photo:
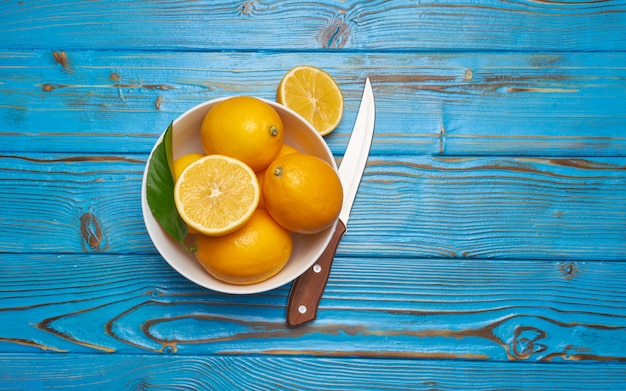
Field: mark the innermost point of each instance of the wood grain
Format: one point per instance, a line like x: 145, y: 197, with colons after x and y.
x: 517, y: 104
x: 392, y: 307
x: 478, y: 207
x: 376, y: 25
x: 487, y: 245
x: 118, y: 372
x: 68, y: 203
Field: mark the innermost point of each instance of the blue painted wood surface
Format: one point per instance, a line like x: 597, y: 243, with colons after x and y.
x: 486, y: 250
x: 527, y: 104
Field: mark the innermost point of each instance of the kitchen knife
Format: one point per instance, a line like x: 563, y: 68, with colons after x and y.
x: 307, y: 290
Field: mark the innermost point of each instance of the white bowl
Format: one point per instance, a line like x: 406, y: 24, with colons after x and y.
x: 306, y: 248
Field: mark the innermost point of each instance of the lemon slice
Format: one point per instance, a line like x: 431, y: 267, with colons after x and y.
x: 216, y: 194
x: 314, y: 94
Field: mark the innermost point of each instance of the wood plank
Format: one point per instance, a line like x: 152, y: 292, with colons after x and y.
x: 118, y: 372
x: 379, y: 25
x: 72, y: 203
x: 492, y: 207
x: 528, y: 104
x: 492, y: 310
x: 481, y: 207
x: 487, y: 249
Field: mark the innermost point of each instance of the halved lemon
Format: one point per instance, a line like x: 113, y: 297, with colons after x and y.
x: 216, y: 194
x: 314, y: 94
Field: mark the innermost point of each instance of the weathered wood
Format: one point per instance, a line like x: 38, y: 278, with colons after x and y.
x: 424, y: 206
x: 486, y: 250
x: 375, y: 25
x: 72, y: 203
x: 125, y: 372
x: 522, y: 104
x: 373, y: 307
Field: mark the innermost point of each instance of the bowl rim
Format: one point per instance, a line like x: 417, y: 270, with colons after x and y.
x: 153, y: 227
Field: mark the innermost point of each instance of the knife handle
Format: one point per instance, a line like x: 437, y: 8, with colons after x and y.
x: 307, y: 290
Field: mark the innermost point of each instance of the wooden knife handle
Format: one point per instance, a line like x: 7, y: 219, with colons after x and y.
x: 307, y: 290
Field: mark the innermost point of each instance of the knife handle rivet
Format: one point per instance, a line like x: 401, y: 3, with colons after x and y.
x: 302, y: 309
x: 317, y: 268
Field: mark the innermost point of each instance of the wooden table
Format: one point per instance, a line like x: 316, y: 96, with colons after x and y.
x: 487, y: 245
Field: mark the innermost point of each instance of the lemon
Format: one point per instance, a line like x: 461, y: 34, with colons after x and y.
x: 302, y: 193
x: 179, y: 165
x: 251, y: 254
x: 244, y: 128
x: 260, y: 175
x: 216, y: 194
x: 314, y: 94
x: 286, y: 149
x: 182, y: 162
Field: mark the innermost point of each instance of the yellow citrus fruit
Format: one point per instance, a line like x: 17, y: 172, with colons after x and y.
x: 302, y: 193
x: 260, y: 175
x: 245, y: 128
x: 182, y: 162
x: 251, y: 254
x: 314, y: 94
x: 216, y: 194
x: 286, y: 149
x: 179, y: 165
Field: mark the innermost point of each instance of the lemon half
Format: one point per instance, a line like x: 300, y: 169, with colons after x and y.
x: 216, y: 194
x: 314, y: 94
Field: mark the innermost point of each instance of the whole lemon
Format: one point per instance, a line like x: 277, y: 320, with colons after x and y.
x: 302, y: 193
x: 244, y: 128
x: 253, y: 253
x: 260, y: 175
x: 182, y: 162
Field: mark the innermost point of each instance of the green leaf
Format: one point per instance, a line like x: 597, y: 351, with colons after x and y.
x: 160, y: 190
x: 169, y: 149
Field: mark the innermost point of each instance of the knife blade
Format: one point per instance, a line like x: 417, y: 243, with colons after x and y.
x: 307, y: 290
